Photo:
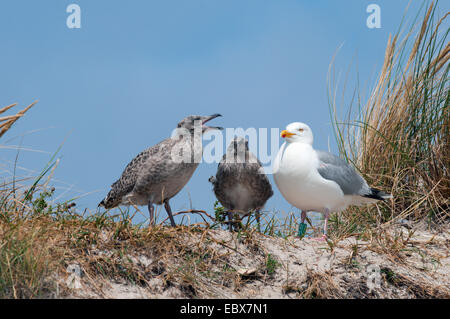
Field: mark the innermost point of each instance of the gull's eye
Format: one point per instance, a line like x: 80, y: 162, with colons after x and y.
x: 300, y: 130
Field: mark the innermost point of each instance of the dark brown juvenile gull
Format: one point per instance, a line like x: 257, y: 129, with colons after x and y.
x: 161, y: 171
x: 240, y: 184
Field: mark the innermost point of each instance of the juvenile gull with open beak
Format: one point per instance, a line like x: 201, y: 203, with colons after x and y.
x: 161, y: 171
x: 315, y: 180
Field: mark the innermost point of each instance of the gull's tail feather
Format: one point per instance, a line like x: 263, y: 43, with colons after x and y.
x: 102, y: 203
x: 378, y: 194
x: 212, y: 179
x: 115, y: 195
x: 110, y: 200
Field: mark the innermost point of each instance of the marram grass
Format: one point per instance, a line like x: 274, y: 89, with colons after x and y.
x: 399, y: 138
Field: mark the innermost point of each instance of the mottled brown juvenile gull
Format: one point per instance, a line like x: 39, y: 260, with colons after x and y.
x: 240, y: 184
x: 161, y: 171
x: 315, y: 180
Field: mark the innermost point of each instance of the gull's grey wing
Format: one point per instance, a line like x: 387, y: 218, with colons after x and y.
x: 337, y: 170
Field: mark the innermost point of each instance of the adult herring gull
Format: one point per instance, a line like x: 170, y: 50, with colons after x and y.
x: 317, y: 181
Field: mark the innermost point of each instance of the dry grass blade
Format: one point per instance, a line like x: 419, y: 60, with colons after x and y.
x: 321, y: 286
x: 7, y: 121
x: 6, y: 108
x: 421, y: 291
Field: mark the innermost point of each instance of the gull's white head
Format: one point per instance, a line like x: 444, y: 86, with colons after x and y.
x: 298, y: 132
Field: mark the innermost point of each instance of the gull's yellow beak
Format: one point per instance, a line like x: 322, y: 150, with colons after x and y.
x: 285, y: 133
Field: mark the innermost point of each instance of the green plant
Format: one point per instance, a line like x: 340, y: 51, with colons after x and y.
x: 271, y: 264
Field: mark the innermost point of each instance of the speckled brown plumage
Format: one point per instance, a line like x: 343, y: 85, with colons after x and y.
x: 155, y: 176
x: 150, y: 176
x: 240, y: 183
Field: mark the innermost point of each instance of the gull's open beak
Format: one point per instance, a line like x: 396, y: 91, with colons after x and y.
x: 209, y: 118
x: 286, y: 133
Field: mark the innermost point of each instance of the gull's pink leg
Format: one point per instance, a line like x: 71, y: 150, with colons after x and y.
x: 303, y: 216
x: 325, y: 226
x: 151, y: 211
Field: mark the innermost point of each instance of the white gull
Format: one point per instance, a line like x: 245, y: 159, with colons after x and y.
x: 313, y: 180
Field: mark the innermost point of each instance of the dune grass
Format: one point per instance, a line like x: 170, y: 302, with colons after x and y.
x: 7, y: 121
x: 39, y: 244
x: 399, y: 138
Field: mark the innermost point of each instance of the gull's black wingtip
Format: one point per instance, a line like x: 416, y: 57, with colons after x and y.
x: 212, y: 179
x: 378, y: 194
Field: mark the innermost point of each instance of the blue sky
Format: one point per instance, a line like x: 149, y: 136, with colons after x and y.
x: 124, y: 80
